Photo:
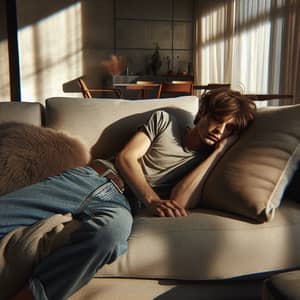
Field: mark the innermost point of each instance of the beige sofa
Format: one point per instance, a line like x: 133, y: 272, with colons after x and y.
x: 210, y: 254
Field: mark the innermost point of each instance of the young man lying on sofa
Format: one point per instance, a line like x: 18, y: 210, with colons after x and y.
x: 92, y: 202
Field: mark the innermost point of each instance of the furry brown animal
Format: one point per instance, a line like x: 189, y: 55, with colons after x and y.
x: 30, y: 153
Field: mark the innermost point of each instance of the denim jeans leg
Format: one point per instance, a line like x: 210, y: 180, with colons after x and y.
x: 99, y: 240
x: 102, y: 236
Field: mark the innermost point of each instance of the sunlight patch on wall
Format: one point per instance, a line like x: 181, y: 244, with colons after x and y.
x: 51, y: 54
x: 213, y: 47
x: 212, y: 63
x: 247, y: 51
x: 251, y: 65
x: 210, y: 25
x: 4, y: 71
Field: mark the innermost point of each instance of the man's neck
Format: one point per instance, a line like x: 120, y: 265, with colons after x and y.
x: 191, y: 139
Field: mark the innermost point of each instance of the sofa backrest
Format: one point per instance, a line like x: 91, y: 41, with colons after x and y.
x: 105, y: 125
x: 26, y: 112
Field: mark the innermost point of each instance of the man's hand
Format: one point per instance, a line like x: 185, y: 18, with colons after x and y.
x: 167, y: 208
x: 226, y: 143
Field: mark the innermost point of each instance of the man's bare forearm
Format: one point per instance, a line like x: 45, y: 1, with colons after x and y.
x: 187, y: 191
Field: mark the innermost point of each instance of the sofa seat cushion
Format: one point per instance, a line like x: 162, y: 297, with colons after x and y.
x: 284, y: 286
x: 137, y: 289
x: 208, y: 246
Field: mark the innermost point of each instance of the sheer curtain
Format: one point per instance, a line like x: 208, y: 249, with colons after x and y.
x: 253, y: 44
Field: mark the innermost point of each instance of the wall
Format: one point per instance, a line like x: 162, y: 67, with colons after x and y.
x: 141, y: 25
x: 97, y: 37
x: 4, y: 66
x: 61, y: 40
x: 50, y: 43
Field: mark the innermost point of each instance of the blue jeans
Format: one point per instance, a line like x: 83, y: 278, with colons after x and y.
x: 105, y: 224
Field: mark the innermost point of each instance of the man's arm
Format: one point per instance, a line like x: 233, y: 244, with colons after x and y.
x: 187, y: 191
x: 128, y: 165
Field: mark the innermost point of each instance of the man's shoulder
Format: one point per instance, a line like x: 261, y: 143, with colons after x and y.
x: 161, y: 113
x: 162, y: 117
x: 158, y: 122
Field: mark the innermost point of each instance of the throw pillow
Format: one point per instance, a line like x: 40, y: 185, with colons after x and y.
x: 30, y: 153
x: 250, y: 179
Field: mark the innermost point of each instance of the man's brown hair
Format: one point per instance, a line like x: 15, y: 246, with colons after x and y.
x: 221, y: 103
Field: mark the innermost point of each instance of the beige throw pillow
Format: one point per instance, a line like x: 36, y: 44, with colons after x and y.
x: 250, y: 179
x: 30, y: 153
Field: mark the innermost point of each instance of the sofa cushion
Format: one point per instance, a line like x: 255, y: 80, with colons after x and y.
x: 283, y: 286
x: 206, y: 245
x: 254, y: 173
x: 202, y: 246
x: 30, y: 153
x: 137, y: 289
x: 106, y: 124
x: 25, y: 112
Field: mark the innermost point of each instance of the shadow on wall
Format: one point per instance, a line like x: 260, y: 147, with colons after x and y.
x: 30, y: 13
x: 3, y: 27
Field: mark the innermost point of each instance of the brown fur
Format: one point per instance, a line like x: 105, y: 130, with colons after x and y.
x: 29, y: 154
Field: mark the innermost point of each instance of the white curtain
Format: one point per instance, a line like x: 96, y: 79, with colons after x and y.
x: 253, y: 44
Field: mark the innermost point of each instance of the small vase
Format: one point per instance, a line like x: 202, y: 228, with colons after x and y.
x: 155, y: 61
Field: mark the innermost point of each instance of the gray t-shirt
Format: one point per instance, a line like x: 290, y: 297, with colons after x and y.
x: 167, y: 160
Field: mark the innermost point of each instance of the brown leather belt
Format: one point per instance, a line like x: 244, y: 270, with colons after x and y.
x: 103, y: 170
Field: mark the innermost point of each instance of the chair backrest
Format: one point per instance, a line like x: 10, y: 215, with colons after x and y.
x: 84, y: 89
x: 176, y: 88
x: 87, y: 92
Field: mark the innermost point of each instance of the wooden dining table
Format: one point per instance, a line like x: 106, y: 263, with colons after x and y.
x: 211, y: 86
x: 142, y: 88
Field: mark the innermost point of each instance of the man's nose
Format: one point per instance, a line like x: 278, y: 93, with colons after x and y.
x: 221, y: 128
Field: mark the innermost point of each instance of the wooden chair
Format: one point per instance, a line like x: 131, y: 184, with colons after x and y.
x: 176, y: 89
x: 87, y: 92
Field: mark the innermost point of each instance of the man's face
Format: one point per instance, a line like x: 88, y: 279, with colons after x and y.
x: 211, y: 130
